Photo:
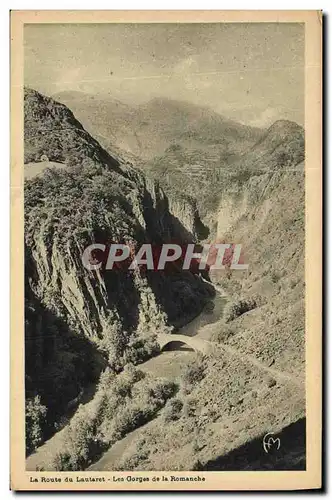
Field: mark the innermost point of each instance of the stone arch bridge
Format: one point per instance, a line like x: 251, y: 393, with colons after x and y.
x: 198, y: 345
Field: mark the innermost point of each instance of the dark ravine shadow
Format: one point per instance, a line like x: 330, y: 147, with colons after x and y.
x: 123, y: 295
x: 180, y: 294
x: 61, y: 366
x: 251, y: 456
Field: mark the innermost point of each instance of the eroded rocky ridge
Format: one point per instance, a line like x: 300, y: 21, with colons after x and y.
x: 94, y: 198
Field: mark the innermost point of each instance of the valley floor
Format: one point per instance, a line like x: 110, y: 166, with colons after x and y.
x: 267, y: 399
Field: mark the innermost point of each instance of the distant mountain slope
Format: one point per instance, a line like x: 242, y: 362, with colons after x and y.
x: 147, y: 130
x: 208, y: 174
x: 282, y: 144
x: 187, y: 148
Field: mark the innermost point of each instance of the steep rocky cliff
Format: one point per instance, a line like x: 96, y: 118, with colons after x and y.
x: 95, y: 198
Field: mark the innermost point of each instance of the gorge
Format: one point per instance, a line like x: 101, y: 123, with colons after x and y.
x: 96, y: 329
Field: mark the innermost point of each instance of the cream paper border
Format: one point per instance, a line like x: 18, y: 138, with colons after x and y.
x: 267, y: 480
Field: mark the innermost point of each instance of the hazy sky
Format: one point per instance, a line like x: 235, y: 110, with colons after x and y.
x: 253, y: 73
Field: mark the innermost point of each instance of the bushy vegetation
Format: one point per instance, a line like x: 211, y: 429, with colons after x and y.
x: 122, y: 348
x: 190, y: 407
x: 193, y: 374
x: 122, y: 403
x: 78, y: 205
x: 275, y: 276
x: 223, y: 334
x: 35, y: 417
x: 51, y: 130
x: 172, y: 410
x: 235, y: 309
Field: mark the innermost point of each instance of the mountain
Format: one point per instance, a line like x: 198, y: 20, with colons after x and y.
x: 147, y: 130
x: 207, y: 174
x: 282, y: 144
x: 177, y: 143
x: 93, y: 198
x: 177, y: 409
x: 254, y: 382
x: 51, y: 130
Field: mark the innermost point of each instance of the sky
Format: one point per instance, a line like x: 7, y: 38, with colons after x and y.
x: 252, y: 73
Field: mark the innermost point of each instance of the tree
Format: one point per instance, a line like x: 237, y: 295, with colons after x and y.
x: 114, y: 343
x: 35, y: 413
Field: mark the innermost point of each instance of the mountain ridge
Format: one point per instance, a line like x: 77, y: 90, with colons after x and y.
x: 147, y: 129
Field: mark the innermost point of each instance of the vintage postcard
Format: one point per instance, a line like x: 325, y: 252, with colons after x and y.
x: 166, y: 214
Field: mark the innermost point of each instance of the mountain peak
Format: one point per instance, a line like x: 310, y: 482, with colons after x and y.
x: 51, y: 130
x: 286, y: 127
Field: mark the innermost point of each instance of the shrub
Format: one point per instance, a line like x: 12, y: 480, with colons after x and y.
x: 72, y: 160
x: 236, y: 309
x: 140, y: 349
x: 275, y: 277
x: 173, y: 147
x: 223, y: 335
x: 172, y: 410
x: 62, y: 462
x: 161, y: 391
x: 121, y: 404
x: 134, y: 455
x: 133, y: 373
x: 35, y: 414
x: 106, y: 380
x: 189, y: 407
x: 197, y: 465
x: 80, y: 438
x: 114, y: 343
x: 193, y: 374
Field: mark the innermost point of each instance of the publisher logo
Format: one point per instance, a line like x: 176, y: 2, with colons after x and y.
x: 270, y: 443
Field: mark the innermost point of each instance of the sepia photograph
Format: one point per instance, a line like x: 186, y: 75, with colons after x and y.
x: 164, y: 191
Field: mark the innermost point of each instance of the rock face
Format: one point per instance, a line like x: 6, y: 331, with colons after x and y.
x: 260, y: 172
x: 266, y: 214
x: 186, y: 220
x: 96, y: 198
